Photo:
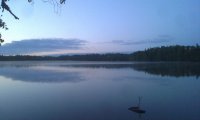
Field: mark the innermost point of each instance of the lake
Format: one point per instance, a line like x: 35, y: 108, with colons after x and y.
x: 58, y: 90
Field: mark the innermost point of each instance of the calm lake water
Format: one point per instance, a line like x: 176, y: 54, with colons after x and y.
x: 99, y: 90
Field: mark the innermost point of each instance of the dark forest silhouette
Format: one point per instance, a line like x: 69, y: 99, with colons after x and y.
x: 164, y: 53
x: 169, y: 53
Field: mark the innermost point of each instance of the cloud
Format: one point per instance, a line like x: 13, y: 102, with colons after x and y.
x: 157, y: 40
x: 30, y: 46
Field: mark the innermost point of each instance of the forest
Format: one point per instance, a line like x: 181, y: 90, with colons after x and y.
x: 163, y: 53
x: 168, y: 53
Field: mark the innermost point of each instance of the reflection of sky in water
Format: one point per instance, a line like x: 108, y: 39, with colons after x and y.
x: 105, y: 92
x: 41, y: 74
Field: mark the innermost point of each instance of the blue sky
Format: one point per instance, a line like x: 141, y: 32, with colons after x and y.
x: 103, y: 25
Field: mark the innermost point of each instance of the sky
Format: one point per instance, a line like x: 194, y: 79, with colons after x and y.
x: 99, y: 26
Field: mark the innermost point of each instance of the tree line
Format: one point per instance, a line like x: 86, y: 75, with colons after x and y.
x: 168, y: 53
x: 163, y: 53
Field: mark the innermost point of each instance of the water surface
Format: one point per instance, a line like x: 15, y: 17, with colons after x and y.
x: 99, y: 90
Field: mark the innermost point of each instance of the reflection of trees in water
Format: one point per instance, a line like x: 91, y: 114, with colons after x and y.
x: 170, y: 69
x: 106, y: 66
x: 20, y: 64
x: 22, y: 70
x: 164, y: 69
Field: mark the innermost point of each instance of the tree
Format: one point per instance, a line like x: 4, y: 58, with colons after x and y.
x: 4, y: 6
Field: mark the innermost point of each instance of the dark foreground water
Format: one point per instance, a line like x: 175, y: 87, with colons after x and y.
x: 99, y: 91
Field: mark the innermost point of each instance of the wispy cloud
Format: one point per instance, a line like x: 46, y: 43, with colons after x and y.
x: 159, y: 39
x: 30, y: 46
